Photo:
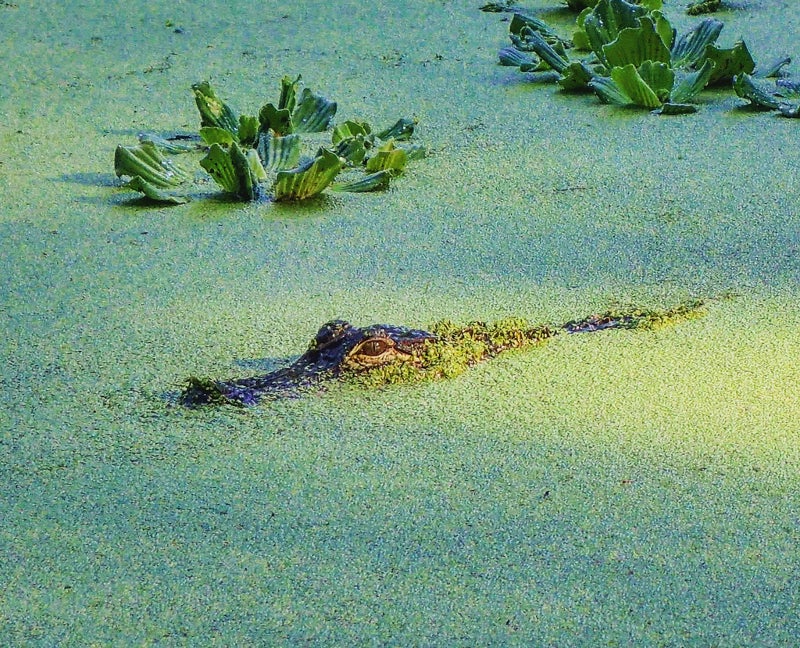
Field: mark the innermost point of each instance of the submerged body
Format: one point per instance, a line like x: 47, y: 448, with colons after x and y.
x: 383, y: 353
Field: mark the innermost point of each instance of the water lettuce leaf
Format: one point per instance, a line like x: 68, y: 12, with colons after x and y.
x: 372, y: 182
x: 759, y: 96
x: 150, y: 172
x: 231, y: 169
x: 248, y: 130
x: 574, y: 75
x: 609, y: 17
x: 633, y: 83
x: 729, y: 62
x: 214, y: 111
x: 277, y: 120
x: 350, y: 128
x: 309, y: 179
x: 647, y: 86
x: 148, y: 162
x: 313, y: 113
x: 388, y: 156
x: 512, y: 57
x: 288, y: 98
x: 690, y: 48
x: 353, y: 149
x: 401, y: 130
x: 278, y: 152
x: 636, y: 45
x: 216, y: 135
x: 522, y: 21
x: 155, y: 193
x: 691, y: 83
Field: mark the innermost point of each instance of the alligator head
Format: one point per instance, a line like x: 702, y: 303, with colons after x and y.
x: 338, y: 348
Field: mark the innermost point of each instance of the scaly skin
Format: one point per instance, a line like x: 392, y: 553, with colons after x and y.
x: 382, y: 353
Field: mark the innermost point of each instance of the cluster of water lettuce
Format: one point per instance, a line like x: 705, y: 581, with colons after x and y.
x: 694, y: 8
x: 635, y: 57
x: 245, y: 154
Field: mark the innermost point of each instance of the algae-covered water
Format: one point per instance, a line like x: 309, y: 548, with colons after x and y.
x: 623, y: 488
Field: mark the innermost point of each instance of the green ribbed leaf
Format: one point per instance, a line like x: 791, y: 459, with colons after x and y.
x: 631, y: 83
x: 607, y: 20
x: 690, y: 48
x: 353, y: 149
x: 231, y: 170
x: 313, y: 113
x: 372, y: 182
x: 309, y: 179
x: 522, y: 20
x: 216, y: 135
x: 277, y: 120
x: 758, y: 94
x: 257, y: 170
x: 288, y: 98
x: 214, y: 111
x: 729, y: 62
x: 691, y: 84
x: 401, y: 130
x: 150, y: 164
x: 626, y: 86
x: 278, y: 153
x: 547, y: 53
x: 154, y: 193
x: 387, y: 156
x: 659, y: 77
x: 248, y: 130
x: 512, y: 57
x: 609, y: 92
x: 636, y: 45
x: 350, y: 128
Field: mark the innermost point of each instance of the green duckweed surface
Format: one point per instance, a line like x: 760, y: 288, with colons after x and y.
x: 620, y: 488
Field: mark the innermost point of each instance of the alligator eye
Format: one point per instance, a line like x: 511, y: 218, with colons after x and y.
x: 374, y: 347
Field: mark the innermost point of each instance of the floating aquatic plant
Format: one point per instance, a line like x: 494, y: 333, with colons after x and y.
x: 783, y: 96
x: 634, y: 56
x: 151, y: 172
x: 251, y: 157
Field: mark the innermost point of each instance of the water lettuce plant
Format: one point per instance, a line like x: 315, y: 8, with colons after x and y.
x: 784, y: 96
x: 251, y: 157
x: 634, y: 55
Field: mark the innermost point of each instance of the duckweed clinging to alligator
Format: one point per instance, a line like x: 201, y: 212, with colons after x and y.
x: 245, y: 153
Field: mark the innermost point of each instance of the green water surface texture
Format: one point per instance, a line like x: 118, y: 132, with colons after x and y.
x: 622, y: 488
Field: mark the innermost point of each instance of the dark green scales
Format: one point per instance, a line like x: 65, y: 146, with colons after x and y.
x: 384, y: 354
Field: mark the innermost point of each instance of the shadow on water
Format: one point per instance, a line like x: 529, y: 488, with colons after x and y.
x: 89, y: 179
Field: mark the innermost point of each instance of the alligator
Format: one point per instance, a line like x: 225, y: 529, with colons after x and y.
x: 381, y: 353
